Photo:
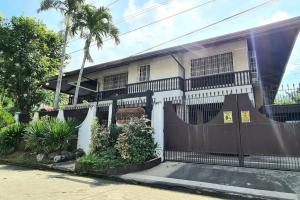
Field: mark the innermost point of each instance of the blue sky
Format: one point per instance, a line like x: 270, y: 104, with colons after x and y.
x: 147, y: 37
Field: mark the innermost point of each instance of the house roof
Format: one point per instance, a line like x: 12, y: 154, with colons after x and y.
x: 282, y: 31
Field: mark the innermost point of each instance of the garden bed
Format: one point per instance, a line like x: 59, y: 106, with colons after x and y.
x: 27, y: 159
x: 89, y: 168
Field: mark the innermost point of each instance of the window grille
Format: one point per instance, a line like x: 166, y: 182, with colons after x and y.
x: 115, y: 81
x: 215, y: 64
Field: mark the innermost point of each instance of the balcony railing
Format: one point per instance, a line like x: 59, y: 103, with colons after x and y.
x: 176, y: 83
x: 219, y: 81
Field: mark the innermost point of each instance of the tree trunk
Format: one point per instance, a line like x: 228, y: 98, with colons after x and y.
x: 63, y: 56
x: 86, y: 50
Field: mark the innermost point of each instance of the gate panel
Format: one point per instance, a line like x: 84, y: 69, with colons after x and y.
x: 214, y: 142
x: 263, y: 136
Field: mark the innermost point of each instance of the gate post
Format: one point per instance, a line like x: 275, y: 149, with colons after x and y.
x: 157, y: 123
x: 113, y: 111
x: 240, y: 148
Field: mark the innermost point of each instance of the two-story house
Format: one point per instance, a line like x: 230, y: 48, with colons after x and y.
x: 254, y: 59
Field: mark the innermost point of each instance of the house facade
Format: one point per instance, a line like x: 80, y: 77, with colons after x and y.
x: 254, y: 58
x: 252, y: 61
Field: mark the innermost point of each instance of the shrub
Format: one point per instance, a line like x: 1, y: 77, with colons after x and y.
x: 10, y: 137
x: 136, y: 143
x: 49, y: 135
x: 103, y: 160
x: 103, y: 138
x: 5, y: 118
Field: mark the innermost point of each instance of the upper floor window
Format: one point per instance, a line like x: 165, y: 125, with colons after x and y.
x: 252, y: 61
x: 215, y: 64
x: 144, y: 73
x: 115, y: 81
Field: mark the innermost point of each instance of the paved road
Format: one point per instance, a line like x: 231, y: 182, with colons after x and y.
x: 23, y: 184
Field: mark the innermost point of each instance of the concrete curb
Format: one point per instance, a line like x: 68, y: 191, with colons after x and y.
x: 209, y: 189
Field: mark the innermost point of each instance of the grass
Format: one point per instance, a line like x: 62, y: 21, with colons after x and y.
x: 102, y: 161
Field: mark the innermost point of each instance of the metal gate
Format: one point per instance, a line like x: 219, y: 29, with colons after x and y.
x: 237, y: 135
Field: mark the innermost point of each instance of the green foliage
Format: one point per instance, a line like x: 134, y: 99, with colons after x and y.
x: 94, y: 23
x: 103, y: 138
x: 49, y: 135
x: 48, y: 98
x: 136, y: 143
x: 10, y: 137
x: 30, y: 54
x: 103, y: 161
x: 5, y: 118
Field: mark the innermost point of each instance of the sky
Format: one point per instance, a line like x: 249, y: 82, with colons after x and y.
x: 125, y: 18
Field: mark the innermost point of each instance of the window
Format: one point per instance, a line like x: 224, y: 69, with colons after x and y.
x: 144, y: 73
x: 115, y: 81
x: 252, y: 61
x: 221, y: 63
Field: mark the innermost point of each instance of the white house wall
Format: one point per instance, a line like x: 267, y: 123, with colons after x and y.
x: 239, y: 50
x: 160, y: 68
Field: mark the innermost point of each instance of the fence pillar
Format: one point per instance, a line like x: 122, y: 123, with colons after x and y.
x: 60, y: 115
x: 85, y: 130
x: 113, y: 111
x: 157, y: 123
x: 110, y: 109
x: 149, y: 104
x: 17, y: 114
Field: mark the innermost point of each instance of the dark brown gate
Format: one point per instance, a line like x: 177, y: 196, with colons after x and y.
x: 237, y: 135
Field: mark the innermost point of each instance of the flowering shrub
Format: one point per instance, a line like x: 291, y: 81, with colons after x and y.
x: 136, y: 143
x: 103, y: 138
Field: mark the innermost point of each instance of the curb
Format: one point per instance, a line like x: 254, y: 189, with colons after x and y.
x: 194, y: 187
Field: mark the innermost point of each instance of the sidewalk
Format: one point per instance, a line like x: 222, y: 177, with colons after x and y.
x: 224, y: 181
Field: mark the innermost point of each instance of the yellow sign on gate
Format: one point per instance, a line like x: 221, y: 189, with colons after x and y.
x: 245, y: 116
x: 227, y: 117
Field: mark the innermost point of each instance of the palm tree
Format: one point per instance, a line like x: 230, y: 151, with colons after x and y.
x: 93, y: 24
x: 68, y: 8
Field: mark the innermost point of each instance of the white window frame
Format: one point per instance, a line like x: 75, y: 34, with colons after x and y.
x: 145, y: 74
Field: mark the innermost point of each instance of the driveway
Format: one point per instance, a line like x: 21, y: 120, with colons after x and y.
x: 18, y: 183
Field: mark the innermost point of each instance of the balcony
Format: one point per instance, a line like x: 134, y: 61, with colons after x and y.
x: 230, y: 79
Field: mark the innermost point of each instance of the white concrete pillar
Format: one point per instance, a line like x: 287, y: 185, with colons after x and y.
x: 109, y: 114
x: 17, y: 114
x: 60, y: 115
x: 157, y: 122
x: 36, y: 116
x: 85, y: 130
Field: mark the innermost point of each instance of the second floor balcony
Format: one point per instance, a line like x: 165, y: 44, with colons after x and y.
x: 231, y: 79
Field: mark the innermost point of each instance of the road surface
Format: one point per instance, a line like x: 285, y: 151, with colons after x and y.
x: 18, y: 183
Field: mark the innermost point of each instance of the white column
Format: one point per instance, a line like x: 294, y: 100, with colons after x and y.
x: 157, y: 122
x: 60, y: 115
x: 17, y: 114
x: 85, y: 130
x: 36, y: 116
x: 109, y: 114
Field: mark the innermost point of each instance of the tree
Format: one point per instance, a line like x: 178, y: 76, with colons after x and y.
x: 68, y: 8
x: 93, y: 24
x: 30, y: 55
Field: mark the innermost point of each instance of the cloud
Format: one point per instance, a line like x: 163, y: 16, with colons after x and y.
x: 278, y: 16
x: 148, y: 36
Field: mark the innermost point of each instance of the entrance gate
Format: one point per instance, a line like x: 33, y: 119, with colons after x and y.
x: 238, y: 135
